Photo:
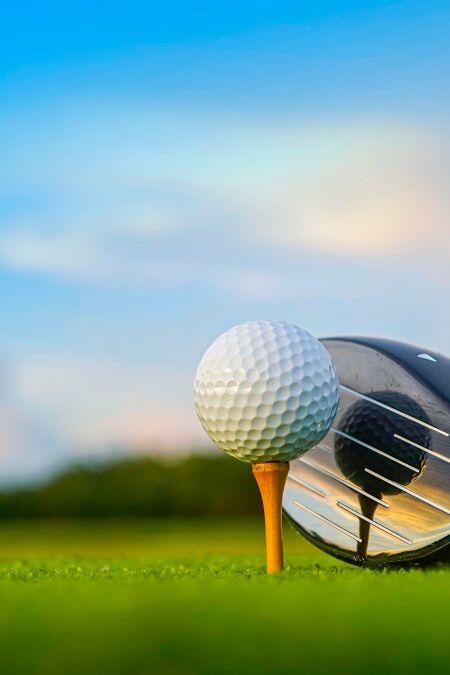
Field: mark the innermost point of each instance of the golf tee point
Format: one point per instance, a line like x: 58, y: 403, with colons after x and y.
x: 271, y: 478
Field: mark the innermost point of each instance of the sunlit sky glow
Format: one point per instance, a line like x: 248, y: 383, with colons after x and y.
x: 168, y: 172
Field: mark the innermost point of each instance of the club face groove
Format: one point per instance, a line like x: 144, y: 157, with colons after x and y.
x: 387, y: 459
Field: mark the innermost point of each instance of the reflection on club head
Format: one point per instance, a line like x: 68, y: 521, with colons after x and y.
x: 369, y: 439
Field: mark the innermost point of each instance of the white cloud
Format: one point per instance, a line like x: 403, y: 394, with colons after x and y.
x: 251, y: 284
x: 29, y: 448
x: 381, y: 192
x: 66, y: 254
x: 162, y: 185
x: 98, y: 405
x: 146, y: 429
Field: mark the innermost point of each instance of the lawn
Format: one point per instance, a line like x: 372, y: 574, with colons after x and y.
x: 191, y: 597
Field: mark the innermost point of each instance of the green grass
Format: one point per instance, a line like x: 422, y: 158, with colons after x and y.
x: 191, y: 598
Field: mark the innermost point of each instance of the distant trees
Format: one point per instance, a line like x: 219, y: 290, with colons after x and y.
x: 193, y: 487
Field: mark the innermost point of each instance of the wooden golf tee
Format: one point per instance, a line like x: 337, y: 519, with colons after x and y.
x: 271, y: 477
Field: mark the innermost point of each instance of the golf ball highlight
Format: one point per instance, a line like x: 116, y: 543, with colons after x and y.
x: 266, y: 391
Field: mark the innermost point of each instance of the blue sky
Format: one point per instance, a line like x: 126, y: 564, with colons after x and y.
x: 169, y: 171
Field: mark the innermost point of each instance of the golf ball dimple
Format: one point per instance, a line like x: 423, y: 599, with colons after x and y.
x: 266, y: 391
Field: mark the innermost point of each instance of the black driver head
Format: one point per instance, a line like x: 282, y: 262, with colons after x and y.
x: 376, y: 491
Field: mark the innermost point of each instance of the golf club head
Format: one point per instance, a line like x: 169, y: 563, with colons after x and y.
x: 376, y: 491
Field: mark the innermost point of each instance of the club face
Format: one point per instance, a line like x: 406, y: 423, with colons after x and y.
x: 376, y: 491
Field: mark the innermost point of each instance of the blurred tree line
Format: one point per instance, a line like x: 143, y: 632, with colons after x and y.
x: 195, y: 486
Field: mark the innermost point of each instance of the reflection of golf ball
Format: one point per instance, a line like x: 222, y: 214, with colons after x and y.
x: 266, y: 391
x: 376, y: 427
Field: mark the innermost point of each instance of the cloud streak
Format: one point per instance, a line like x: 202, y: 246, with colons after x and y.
x: 98, y: 405
x: 183, y: 182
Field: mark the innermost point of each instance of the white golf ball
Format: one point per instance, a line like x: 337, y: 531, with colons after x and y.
x: 266, y: 391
